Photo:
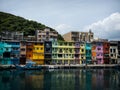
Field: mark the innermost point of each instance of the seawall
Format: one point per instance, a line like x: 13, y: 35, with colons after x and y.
x: 90, y: 66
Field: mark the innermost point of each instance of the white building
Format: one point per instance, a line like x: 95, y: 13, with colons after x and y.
x: 46, y: 35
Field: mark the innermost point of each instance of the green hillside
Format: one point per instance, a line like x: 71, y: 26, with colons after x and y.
x: 11, y: 22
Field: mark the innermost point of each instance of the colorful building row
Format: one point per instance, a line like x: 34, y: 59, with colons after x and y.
x: 59, y: 52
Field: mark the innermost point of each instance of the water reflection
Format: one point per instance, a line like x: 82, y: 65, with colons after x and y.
x: 76, y: 79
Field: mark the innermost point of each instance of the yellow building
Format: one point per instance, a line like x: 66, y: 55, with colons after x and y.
x: 82, y: 53
x: 63, y: 52
x: 38, y: 53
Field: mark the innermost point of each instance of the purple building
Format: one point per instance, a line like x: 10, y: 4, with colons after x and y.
x: 99, y: 52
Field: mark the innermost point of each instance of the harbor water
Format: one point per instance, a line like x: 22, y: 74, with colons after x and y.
x: 60, y: 79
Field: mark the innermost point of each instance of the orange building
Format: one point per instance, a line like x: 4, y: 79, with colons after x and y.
x: 94, y: 52
x: 29, y: 50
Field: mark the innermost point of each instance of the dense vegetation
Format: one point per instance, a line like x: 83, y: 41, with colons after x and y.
x: 9, y: 22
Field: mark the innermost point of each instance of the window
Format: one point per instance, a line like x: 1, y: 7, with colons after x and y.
x: 39, y: 36
x: 41, y: 44
x: 60, y: 44
x: 22, y: 55
x: 110, y: 50
x: 87, y: 51
x: 99, y: 44
x: 47, y: 33
x: 114, y: 50
x: 91, y: 35
x: 111, y: 55
x: 35, y: 43
x: 76, y: 44
x: 22, y: 49
x: 47, y: 50
x: 1, y: 48
x: 99, y: 59
x: 70, y: 50
x: 60, y: 55
x: 29, y: 55
x: 18, y: 43
x: 7, y: 49
x: 82, y: 50
x: 60, y: 50
x: 99, y: 48
x: 47, y: 45
x: 118, y: 52
x: 65, y: 44
x: 29, y: 49
x: 106, y: 49
x: 88, y: 45
x: 13, y: 55
x: 70, y: 44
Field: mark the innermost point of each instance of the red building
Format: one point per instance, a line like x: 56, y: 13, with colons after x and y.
x: 106, y: 47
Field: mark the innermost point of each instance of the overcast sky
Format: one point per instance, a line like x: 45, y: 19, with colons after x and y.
x: 101, y: 16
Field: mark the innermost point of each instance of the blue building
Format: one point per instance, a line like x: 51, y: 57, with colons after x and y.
x: 48, y: 52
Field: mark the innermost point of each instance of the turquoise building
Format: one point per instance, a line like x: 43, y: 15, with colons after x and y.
x: 88, y: 48
x: 9, y: 52
x: 6, y: 53
x: 1, y: 51
x: 15, y: 51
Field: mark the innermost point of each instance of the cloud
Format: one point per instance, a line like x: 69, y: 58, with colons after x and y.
x: 108, y: 28
x: 64, y: 28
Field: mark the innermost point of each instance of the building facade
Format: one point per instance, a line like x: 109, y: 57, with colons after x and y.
x: 12, y: 35
x: 63, y: 53
x: 118, y: 52
x: 106, y: 47
x: 88, y: 48
x: 77, y: 52
x: 38, y: 53
x: 1, y: 52
x: 113, y: 52
x: 82, y: 53
x: 6, y: 54
x: 94, y: 60
x: 99, y: 52
x: 48, y: 52
x: 79, y: 36
x: 29, y: 50
x: 46, y: 35
x: 15, y: 51
x: 23, y: 52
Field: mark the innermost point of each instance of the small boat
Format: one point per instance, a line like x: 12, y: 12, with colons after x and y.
x: 29, y: 66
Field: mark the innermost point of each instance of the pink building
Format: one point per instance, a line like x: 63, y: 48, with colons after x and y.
x: 99, y: 52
